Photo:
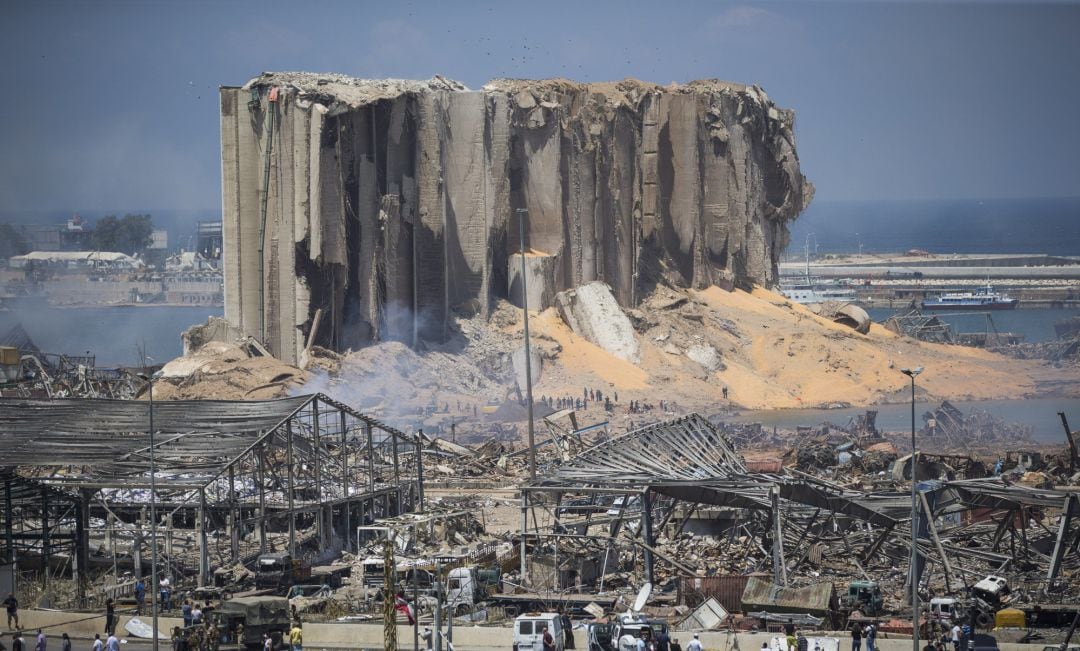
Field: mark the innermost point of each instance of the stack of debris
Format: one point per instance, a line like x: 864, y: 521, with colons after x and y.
x: 949, y: 426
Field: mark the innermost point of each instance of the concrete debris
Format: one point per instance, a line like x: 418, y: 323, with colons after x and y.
x: 847, y: 314
x: 27, y: 372
x: 628, y: 183
x: 592, y: 313
x: 705, y: 355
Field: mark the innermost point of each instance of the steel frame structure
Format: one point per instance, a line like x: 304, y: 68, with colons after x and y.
x: 300, y: 469
x: 688, y: 464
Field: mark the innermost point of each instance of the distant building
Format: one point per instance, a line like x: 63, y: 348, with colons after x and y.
x: 73, y: 235
x: 77, y: 260
x: 159, y: 239
x: 189, y: 261
x: 208, y: 240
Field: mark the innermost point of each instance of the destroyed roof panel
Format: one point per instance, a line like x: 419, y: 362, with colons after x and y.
x: 685, y: 449
x: 95, y: 439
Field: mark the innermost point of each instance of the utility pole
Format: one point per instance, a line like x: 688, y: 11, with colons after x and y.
x: 521, y: 213
x: 153, y: 512
x: 914, y: 580
x: 389, y: 598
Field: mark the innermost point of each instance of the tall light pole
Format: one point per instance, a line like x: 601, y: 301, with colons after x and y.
x: 913, y: 577
x: 153, y: 513
x: 521, y: 213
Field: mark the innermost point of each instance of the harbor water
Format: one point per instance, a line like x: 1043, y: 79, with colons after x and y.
x: 1036, y: 325
x: 115, y: 334
x: 1041, y: 414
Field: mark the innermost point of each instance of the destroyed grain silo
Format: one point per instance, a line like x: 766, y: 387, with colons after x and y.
x: 361, y: 210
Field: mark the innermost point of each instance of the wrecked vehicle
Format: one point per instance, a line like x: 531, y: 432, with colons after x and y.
x: 280, y: 571
x: 864, y: 596
x: 529, y: 631
x: 257, y: 616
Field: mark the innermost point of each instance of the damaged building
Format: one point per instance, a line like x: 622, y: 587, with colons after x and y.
x: 233, y: 480
x: 369, y: 210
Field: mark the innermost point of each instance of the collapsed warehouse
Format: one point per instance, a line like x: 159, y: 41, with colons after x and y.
x: 232, y: 480
x: 673, y: 503
x: 358, y: 211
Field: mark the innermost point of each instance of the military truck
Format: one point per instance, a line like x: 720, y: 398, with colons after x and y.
x: 864, y: 596
x: 257, y: 616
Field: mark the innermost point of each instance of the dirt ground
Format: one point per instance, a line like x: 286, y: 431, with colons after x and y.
x: 770, y: 353
x: 777, y: 354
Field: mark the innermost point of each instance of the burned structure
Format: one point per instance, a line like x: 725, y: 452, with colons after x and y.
x: 233, y: 480
x: 364, y: 210
x: 675, y: 502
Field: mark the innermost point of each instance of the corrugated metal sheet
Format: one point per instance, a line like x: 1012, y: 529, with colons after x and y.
x: 763, y: 595
x: 772, y: 466
x: 726, y: 589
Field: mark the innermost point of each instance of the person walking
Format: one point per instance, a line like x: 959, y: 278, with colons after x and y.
x: 547, y: 639
x: 568, y: 629
x: 17, y: 642
x: 112, y: 643
x: 663, y: 641
x: 695, y: 644
x: 110, y: 616
x: 98, y: 645
x: 140, y: 596
x: 268, y: 644
x: 41, y: 640
x: 296, y: 637
x: 801, y: 642
x: 871, y: 636
x: 12, y: 606
x: 65, y: 642
x: 856, y: 637
x: 185, y: 612
x: 166, y: 593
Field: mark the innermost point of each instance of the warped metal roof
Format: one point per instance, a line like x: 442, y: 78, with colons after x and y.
x: 685, y: 449
x: 96, y: 440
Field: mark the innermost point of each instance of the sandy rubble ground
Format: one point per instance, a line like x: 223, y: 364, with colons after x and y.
x: 776, y: 355
x: 772, y: 354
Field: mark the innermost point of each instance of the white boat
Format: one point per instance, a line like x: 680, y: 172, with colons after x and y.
x: 810, y: 293
x: 983, y: 298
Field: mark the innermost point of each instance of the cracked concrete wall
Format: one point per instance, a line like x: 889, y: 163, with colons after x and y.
x: 390, y: 204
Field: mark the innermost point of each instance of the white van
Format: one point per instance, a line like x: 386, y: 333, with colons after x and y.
x: 529, y: 631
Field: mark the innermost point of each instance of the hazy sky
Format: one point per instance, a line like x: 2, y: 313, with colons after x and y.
x: 113, y: 105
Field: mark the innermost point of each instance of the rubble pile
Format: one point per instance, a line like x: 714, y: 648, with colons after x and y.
x: 948, y: 426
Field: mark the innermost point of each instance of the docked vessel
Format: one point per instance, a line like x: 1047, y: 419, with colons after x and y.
x: 807, y: 293
x: 983, y: 298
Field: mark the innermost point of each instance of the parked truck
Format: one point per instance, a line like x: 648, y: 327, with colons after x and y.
x: 254, y: 616
x: 864, y: 596
x: 468, y: 586
x: 279, y: 572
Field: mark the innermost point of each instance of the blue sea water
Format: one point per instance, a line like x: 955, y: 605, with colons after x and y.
x: 1036, y: 325
x: 1050, y: 226
x: 114, y: 334
x: 1039, y: 413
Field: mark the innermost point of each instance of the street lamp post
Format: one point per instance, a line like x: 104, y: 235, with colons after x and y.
x: 522, y: 213
x: 153, y: 516
x: 913, y: 578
